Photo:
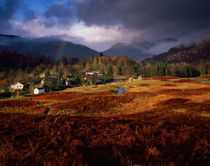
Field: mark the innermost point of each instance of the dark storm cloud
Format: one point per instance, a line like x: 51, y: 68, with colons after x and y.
x: 156, y: 18
x: 7, y: 10
x: 171, y: 17
x: 154, y: 22
x: 167, y: 40
x: 60, y: 14
x: 59, y: 10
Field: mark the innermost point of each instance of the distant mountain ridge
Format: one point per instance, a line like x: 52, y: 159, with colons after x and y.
x: 56, y: 49
x: 9, y: 36
x: 53, y: 48
x: 137, y: 50
x: 189, y: 54
x: 131, y: 50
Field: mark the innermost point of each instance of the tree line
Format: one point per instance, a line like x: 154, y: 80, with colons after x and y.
x: 15, y: 67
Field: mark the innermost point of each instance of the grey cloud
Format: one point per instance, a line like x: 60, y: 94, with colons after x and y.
x: 167, y: 40
x: 7, y: 11
x: 157, y: 45
x: 161, y: 22
x: 157, y: 17
x: 60, y: 13
x: 59, y: 10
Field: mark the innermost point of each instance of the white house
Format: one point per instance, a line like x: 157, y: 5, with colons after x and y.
x: 17, y: 86
x: 67, y: 82
x: 42, y: 75
x: 140, y: 78
x: 99, y: 73
x: 131, y: 79
x: 39, y: 91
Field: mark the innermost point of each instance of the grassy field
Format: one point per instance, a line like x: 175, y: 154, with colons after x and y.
x: 157, y: 121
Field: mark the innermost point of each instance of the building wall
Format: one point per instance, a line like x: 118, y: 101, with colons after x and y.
x: 38, y: 91
x: 18, y: 86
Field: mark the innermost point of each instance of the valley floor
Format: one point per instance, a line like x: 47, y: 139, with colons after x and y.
x: 162, y: 120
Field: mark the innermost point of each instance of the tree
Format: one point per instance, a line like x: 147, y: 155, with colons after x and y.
x: 39, y: 69
x: 100, y: 63
x: 185, y: 71
x: 101, y: 54
x: 4, y: 85
x: 72, y: 60
x: 49, y: 82
x: 54, y: 69
x: 190, y: 71
x: 60, y: 76
x: 64, y: 60
x: 76, y: 78
x: 123, y: 69
x: 19, y: 75
x: 31, y: 88
x: 119, y: 70
x: 204, y: 70
x: 148, y: 68
x: 65, y: 73
x: 60, y: 66
x: 95, y: 63
x: 88, y: 66
x: 109, y: 74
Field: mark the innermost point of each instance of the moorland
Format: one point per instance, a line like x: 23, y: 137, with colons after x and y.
x: 157, y: 121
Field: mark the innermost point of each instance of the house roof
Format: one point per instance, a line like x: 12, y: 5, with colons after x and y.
x: 16, y: 83
x: 39, y: 88
x: 45, y: 87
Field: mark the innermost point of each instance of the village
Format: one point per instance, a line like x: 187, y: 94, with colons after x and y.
x: 89, y: 77
x: 49, y: 84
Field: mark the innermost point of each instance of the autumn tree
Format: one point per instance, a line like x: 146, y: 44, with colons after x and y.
x: 65, y: 73
x: 4, y: 85
x: 31, y: 88
x: 54, y: 69
x: 39, y: 69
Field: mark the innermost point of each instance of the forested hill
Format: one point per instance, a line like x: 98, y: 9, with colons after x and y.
x: 121, y: 65
x: 49, y: 47
x: 13, y: 61
x: 190, y: 54
x: 180, y: 61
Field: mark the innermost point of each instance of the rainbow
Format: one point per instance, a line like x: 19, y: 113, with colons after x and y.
x: 60, y: 50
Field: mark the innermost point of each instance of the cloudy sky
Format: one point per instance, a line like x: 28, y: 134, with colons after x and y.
x: 101, y: 23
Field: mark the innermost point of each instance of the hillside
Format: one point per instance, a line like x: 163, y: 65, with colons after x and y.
x: 131, y: 50
x: 17, y: 61
x: 190, y: 54
x: 158, y: 121
x: 52, y: 48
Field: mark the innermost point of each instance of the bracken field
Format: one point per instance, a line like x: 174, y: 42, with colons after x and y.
x: 157, y: 121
